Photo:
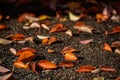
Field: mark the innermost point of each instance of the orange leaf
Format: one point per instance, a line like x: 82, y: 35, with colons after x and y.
x: 107, y: 47
x: 25, y: 49
x: 108, y: 69
x: 79, y: 23
x: 68, y: 49
x: 70, y: 57
x: 115, y: 30
x: 58, y: 28
x: 66, y: 64
x: 45, y: 41
x: 45, y: 64
x: 18, y: 37
x: 20, y: 64
x: 118, y: 78
x: 26, y: 56
x: 2, y: 27
x: 50, y: 51
x: 85, y: 69
x: 52, y: 39
x: 101, y: 17
x: 33, y: 66
x: 22, y: 17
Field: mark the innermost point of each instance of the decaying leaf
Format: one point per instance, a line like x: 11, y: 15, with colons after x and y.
x: 18, y: 37
x: 118, y: 78
x: 20, y: 64
x: 2, y: 27
x: 34, y: 25
x: 33, y: 66
x: 116, y: 29
x: 45, y: 41
x: 85, y: 69
x: 50, y: 51
x: 45, y: 64
x: 30, y: 39
x: 68, y: 49
x: 70, y: 57
x: 117, y: 51
x: 73, y: 17
x: 44, y: 26
x: 58, y: 28
x: 4, y: 41
x: 107, y: 47
x: 14, y: 51
x: 115, y: 44
x: 84, y: 28
x: 101, y: 17
x: 3, y: 69
x: 69, y: 32
x: 6, y: 76
x: 42, y: 37
x: 107, y: 68
x: 26, y: 56
x: 31, y: 18
x: 95, y: 71
x: 99, y: 78
x: 66, y: 64
x: 86, y: 41
x: 43, y: 17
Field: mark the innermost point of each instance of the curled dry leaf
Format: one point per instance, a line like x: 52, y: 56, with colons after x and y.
x: 95, y: 71
x: 117, y: 51
x: 18, y: 37
x: 115, y: 44
x: 3, y: 69
x: 69, y: 32
x: 84, y: 28
x: 22, y: 17
x: 45, y: 41
x: 66, y: 64
x: 2, y: 27
x: 43, y: 17
x: 14, y: 51
x: 33, y: 66
x: 58, y: 28
x: 107, y: 68
x: 42, y: 37
x: 70, y: 57
x: 44, y: 26
x: 34, y: 25
x: 31, y: 18
x: 68, y: 49
x: 107, y: 47
x: 30, y: 39
x: 26, y: 56
x: 86, y: 41
x: 20, y: 64
x: 85, y: 69
x: 101, y: 17
x: 73, y: 17
x: 52, y: 40
x: 4, y: 41
x: 116, y: 29
x: 99, y: 78
x: 45, y: 64
x: 21, y: 51
x: 50, y: 51
x: 118, y: 78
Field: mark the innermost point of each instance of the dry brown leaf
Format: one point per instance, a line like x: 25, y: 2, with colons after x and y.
x: 73, y: 17
x: 20, y: 64
x: 50, y: 51
x: 68, y: 49
x: 115, y: 44
x: 70, y: 57
x: 45, y: 41
x: 21, y: 51
x: 66, y: 64
x: 101, y: 17
x: 58, y: 28
x: 79, y: 23
x: 33, y: 66
x: 18, y: 37
x: 14, y: 51
x: 2, y: 27
x: 85, y: 69
x: 118, y: 78
x: 107, y: 47
x: 3, y: 69
x: 107, y: 68
x: 52, y: 40
x: 117, y: 51
x: 4, y: 41
x: 45, y: 64
x: 69, y: 32
x: 26, y: 56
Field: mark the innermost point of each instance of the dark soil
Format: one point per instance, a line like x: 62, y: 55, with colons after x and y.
x: 90, y: 54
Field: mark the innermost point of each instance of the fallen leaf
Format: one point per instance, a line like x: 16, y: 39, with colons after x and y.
x: 73, y: 17
x: 107, y: 68
x: 20, y: 64
x: 2, y: 27
x: 42, y: 37
x: 84, y: 28
x: 86, y: 41
x: 3, y: 69
x: 45, y: 64
x: 50, y: 51
x: 22, y: 16
x: 43, y: 17
x: 70, y: 57
x: 30, y: 39
x: 6, y: 76
x: 99, y: 78
x: 18, y: 37
x: 117, y: 51
x: 14, y: 51
x: 80, y: 23
x: 69, y: 32
x: 101, y: 17
x: 85, y: 69
x: 115, y: 44
x: 95, y: 71
x: 107, y: 47
x: 33, y: 66
x: 118, y: 78
x: 116, y: 29
x: 45, y: 41
x: 66, y: 64
x: 34, y: 25
x: 31, y: 18
x: 68, y: 49
x: 58, y: 28
x: 52, y: 40
x: 44, y: 26
x: 26, y: 56
x: 4, y: 41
